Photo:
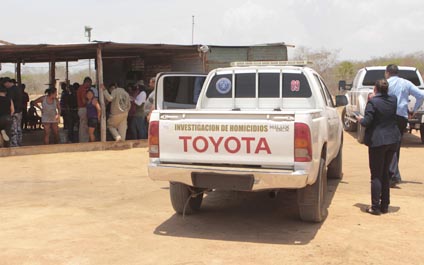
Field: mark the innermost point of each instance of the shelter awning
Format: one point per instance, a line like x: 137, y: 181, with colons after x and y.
x: 33, y: 53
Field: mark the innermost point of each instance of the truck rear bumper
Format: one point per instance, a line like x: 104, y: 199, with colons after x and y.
x: 262, y: 179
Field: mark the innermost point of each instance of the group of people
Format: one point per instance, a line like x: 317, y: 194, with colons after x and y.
x: 16, y: 116
x: 13, y: 111
x: 126, y: 111
x: 385, y: 119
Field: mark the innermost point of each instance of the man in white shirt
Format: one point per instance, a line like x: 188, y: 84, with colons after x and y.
x: 402, y: 89
x: 150, y: 101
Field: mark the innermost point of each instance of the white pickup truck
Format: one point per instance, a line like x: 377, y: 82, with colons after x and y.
x: 362, y: 87
x: 250, y: 128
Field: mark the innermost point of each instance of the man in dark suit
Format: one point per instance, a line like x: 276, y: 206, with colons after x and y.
x: 381, y: 136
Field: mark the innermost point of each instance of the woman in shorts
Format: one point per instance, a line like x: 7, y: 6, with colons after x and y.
x: 93, y: 114
x: 50, y: 110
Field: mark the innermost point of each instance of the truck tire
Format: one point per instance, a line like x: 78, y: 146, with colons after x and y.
x: 335, y: 168
x: 311, y: 199
x: 348, y: 125
x: 180, y: 194
x: 422, y: 133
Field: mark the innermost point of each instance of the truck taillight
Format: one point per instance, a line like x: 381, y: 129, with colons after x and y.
x: 302, y: 143
x: 154, y: 139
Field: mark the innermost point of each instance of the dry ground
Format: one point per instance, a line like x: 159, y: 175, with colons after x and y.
x: 101, y: 208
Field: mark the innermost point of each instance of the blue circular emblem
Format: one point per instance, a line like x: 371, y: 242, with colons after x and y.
x: 223, y: 85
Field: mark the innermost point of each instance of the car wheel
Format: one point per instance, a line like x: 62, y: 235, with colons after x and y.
x: 311, y: 199
x: 348, y: 125
x: 184, y: 196
x: 335, y: 168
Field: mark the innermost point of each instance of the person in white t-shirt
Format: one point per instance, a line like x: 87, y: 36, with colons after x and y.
x: 137, y: 125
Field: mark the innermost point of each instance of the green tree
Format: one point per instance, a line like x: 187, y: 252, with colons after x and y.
x: 345, y: 70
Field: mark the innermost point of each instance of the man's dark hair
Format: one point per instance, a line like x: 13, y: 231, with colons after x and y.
x: 3, y: 89
x: 73, y: 88
x: 392, y: 69
x: 87, y: 79
x: 7, y: 79
x: 382, y: 86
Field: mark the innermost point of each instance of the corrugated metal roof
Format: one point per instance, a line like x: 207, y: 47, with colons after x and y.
x: 70, y: 52
x: 63, y: 52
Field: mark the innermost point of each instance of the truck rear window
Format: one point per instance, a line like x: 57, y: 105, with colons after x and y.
x: 295, y: 85
x: 373, y: 75
x: 181, y: 91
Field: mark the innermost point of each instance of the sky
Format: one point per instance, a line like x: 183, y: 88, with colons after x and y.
x: 358, y: 30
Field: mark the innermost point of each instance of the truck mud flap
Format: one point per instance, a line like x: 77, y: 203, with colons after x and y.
x: 222, y: 181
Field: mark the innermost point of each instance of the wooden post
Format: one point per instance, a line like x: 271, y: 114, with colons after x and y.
x: 204, y: 58
x: 101, y: 97
x: 18, y: 74
x: 67, y: 75
x: 52, y: 74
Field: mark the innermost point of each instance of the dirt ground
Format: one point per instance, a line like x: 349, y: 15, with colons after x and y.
x: 101, y: 208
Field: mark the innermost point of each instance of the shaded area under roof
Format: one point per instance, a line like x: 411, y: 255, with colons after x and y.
x: 71, y: 52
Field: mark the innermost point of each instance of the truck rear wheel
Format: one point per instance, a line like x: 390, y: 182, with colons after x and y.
x: 422, y: 133
x: 184, y: 196
x: 335, y: 168
x: 311, y: 199
x: 348, y: 125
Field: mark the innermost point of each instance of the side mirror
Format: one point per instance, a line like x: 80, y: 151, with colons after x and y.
x: 341, y: 100
x: 342, y: 85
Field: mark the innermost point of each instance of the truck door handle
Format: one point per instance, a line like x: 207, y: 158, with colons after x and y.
x: 170, y: 117
x: 283, y: 118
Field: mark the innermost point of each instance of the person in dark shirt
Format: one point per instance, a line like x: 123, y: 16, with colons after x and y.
x: 6, y: 111
x: 93, y: 114
x: 15, y: 94
x: 33, y: 118
x: 381, y: 136
x: 63, y: 95
x: 25, y: 100
x: 71, y: 106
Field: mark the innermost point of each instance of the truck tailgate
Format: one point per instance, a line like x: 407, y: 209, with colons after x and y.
x: 227, y: 138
